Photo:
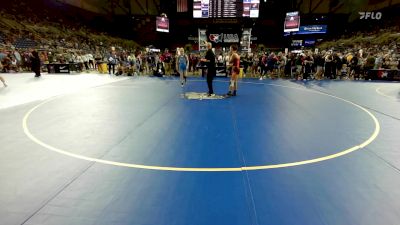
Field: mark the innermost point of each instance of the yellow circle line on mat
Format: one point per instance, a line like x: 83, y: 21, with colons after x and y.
x: 378, y: 90
x: 200, y: 169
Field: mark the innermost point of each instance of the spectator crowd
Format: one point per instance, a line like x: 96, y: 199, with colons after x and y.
x: 62, y: 42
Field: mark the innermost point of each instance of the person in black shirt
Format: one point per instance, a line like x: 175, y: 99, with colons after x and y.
x: 319, y: 61
x: 354, y: 68
x: 35, y: 59
x: 211, y: 68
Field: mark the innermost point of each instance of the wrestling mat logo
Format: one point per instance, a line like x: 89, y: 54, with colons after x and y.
x: 215, y: 38
x: 200, y: 96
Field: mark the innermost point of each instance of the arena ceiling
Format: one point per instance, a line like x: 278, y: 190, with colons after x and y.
x: 119, y: 7
x: 152, y: 7
x: 268, y: 29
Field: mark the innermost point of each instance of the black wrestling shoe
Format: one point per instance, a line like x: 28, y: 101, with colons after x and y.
x: 228, y: 95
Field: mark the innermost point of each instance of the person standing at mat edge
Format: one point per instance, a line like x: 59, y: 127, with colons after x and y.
x: 211, y: 69
x: 182, y: 64
x: 235, y: 63
x: 35, y: 61
x: 112, y: 61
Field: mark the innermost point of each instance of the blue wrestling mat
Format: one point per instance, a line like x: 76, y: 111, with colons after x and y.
x: 145, y: 151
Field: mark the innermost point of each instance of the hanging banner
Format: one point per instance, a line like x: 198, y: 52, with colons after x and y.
x: 245, y: 40
x: 292, y: 22
x: 202, y: 39
x: 162, y: 24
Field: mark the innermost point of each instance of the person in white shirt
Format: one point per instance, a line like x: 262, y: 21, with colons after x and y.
x: 220, y: 59
x: 227, y: 58
x: 85, y: 61
x: 91, y: 61
x: 79, y: 60
x: 14, y: 65
x: 72, y: 58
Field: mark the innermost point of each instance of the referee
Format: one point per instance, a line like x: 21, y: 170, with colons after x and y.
x: 211, y: 68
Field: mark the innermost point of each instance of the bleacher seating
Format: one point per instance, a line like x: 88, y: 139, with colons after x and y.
x: 25, y: 43
x: 25, y: 24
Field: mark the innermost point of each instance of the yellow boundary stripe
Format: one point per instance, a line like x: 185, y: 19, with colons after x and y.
x: 227, y: 169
